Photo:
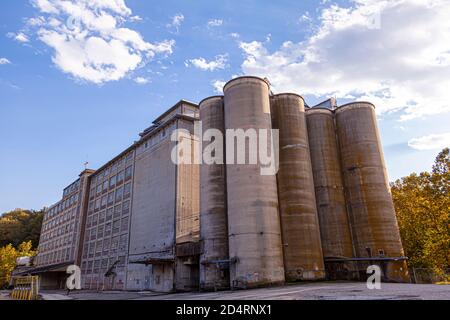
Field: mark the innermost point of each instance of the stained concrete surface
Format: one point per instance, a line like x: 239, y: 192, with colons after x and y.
x: 305, y: 291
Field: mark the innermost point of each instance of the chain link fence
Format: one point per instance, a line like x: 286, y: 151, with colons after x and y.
x: 427, y: 275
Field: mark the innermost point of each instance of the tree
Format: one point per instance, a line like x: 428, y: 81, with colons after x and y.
x: 19, y: 226
x: 8, y: 257
x: 422, y: 203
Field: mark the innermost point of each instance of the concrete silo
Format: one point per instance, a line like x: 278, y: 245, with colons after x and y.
x: 252, y: 201
x: 372, y: 216
x: 214, y: 264
x: 334, y: 225
x: 303, y: 259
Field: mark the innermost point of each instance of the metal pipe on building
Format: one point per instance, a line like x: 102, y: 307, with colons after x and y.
x: 303, y: 258
x: 214, y: 274
x: 369, y: 202
x: 253, y: 219
x: 329, y: 187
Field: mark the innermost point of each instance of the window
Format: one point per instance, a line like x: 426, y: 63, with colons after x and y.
x: 112, y: 182
x: 99, y: 247
x: 120, y: 177
x: 97, y: 266
x: 116, y: 227
x: 100, y: 231
x: 128, y: 173
x: 124, y: 225
x: 91, y: 250
x: 105, y: 186
x: 103, y: 202
x: 101, y: 217
x: 93, y: 234
x: 99, y: 189
x: 94, y: 219
x: 126, y: 207
x: 89, y: 267
x: 97, y: 204
x: 123, y: 242
x: 114, y: 244
x: 129, y: 157
x: 106, y: 246
x: 104, y: 265
x: 127, y: 190
x: 85, y: 250
x: 117, y: 211
x: 109, y: 214
x: 119, y: 194
x: 110, y: 198
x: 108, y: 229
x: 91, y: 206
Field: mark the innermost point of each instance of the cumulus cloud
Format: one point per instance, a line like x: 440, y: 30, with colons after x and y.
x: 218, y: 86
x: 215, y: 22
x: 4, y: 61
x: 89, y: 40
x: 393, y: 53
x: 219, y: 62
x: 141, y: 80
x: 21, y: 37
x: 176, y: 22
x: 430, y: 142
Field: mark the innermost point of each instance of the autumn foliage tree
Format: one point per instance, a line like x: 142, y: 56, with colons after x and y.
x: 422, y: 203
x: 8, y: 257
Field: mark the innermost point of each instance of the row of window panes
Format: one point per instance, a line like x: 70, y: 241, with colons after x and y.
x: 111, y: 183
x: 60, y: 242
x: 105, y: 247
x: 121, y: 193
x: 104, y: 231
x: 113, y: 168
x: 66, y: 216
x: 56, y: 256
x: 71, y: 188
x: 65, y: 229
x: 102, y: 265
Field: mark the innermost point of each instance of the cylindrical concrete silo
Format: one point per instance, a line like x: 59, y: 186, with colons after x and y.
x: 214, y: 266
x: 369, y: 202
x: 303, y: 259
x: 334, y: 225
x: 253, y: 219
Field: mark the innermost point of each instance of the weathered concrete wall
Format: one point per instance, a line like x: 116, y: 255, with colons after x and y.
x: 329, y: 187
x: 188, y: 213
x: 303, y: 259
x: 152, y: 234
x: 252, y: 200
x: 369, y: 202
x: 213, y: 214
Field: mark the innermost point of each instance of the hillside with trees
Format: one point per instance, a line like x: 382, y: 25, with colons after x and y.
x: 19, y: 226
x: 422, y: 204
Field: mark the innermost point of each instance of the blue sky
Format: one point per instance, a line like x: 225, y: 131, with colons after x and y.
x: 79, y: 79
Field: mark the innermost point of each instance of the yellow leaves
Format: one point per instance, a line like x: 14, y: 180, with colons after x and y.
x: 8, y: 256
x: 422, y: 204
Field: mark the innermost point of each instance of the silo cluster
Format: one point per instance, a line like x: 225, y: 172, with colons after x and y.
x: 327, y: 213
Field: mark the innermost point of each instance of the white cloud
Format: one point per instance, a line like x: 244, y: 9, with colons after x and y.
x: 219, y: 62
x: 393, y: 53
x: 430, y: 142
x: 234, y: 35
x: 4, y: 61
x: 89, y: 40
x: 218, y: 86
x: 21, y: 37
x: 176, y: 22
x: 215, y: 22
x: 141, y: 80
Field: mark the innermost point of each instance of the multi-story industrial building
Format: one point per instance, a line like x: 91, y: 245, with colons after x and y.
x: 145, y: 222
